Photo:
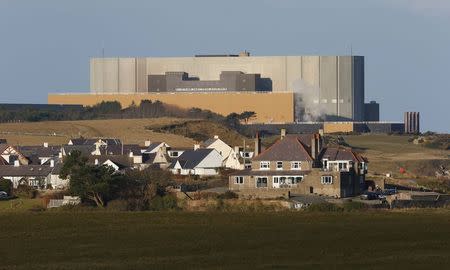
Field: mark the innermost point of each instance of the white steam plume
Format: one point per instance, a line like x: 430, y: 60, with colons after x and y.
x: 307, y: 104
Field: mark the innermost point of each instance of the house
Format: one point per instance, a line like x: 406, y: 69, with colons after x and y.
x: 151, y: 148
x: 36, y: 176
x: 203, y: 162
x: 41, y: 154
x: 159, y: 158
x: 299, y: 164
x: 119, y: 163
x: 10, y: 154
x: 231, y: 157
x: 131, y: 150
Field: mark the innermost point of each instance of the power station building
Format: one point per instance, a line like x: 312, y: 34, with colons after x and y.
x: 277, y: 88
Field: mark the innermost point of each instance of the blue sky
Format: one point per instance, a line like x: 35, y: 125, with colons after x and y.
x: 45, y: 45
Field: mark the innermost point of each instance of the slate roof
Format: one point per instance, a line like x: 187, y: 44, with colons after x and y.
x: 84, y: 149
x: 191, y: 158
x: 290, y: 148
x: 40, y: 151
x: 340, y: 153
x: 152, y: 146
x: 25, y: 171
x: 117, y: 149
x: 208, y: 142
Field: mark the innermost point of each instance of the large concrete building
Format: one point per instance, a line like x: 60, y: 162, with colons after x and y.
x: 331, y: 87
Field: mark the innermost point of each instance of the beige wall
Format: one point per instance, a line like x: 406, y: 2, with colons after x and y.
x: 335, y: 127
x: 269, y: 107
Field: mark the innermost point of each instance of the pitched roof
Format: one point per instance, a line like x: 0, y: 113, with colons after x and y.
x: 191, y: 158
x: 152, y: 146
x: 123, y: 161
x: 341, y: 153
x: 208, y: 142
x: 116, y: 149
x: 40, y: 151
x: 288, y: 149
x: 26, y: 170
x: 83, y: 141
x: 3, y: 161
x: 84, y: 149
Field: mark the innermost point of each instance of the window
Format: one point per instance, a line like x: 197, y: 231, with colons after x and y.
x: 239, y: 180
x: 261, y: 182
x: 342, y: 166
x: 279, y: 165
x: 296, y: 165
x: 325, y: 163
x: 275, y: 179
x: 326, y: 180
x: 264, y: 165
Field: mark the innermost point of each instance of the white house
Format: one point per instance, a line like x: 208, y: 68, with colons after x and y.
x: 202, y: 162
x: 230, y: 157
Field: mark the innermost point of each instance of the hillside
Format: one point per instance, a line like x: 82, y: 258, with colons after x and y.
x: 59, y: 132
x: 390, y: 153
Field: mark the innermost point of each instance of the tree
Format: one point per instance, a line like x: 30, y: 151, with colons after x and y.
x: 143, y: 186
x: 247, y: 115
x: 91, y: 182
x: 6, y: 186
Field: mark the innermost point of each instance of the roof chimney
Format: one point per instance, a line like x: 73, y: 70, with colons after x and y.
x: 96, y: 161
x: 16, y: 163
x: 147, y: 143
x: 46, y: 144
x: 52, y: 163
x: 283, y: 133
x: 196, y: 146
x: 257, y: 145
x: 216, y: 137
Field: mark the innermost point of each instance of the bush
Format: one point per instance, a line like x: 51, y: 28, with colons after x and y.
x: 6, y: 186
x: 325, y: 207
x: 118, y: 205
x: 26, y: 191
x: 354, y: 206
x: 228, y: 195
x: 167, y: 202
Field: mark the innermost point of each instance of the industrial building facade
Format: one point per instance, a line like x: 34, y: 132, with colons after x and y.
x: 332, y: 84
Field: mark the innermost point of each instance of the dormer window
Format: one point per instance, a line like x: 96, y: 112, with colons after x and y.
x: 296, y: 165
x: 279, y: 165
x: 264, y: 165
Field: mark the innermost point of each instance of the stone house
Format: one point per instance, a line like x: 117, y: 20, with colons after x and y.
x: 299, y: 164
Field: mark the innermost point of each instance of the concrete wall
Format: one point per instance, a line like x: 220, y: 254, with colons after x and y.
x: 340, y: 79
x: 269, y: 107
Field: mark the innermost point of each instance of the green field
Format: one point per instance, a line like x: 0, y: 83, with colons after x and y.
x: 182, y: 240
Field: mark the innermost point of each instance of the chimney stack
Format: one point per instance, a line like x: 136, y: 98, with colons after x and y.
x: 96, y: 161
x: 216, y: 137
x: 52, y: 163
x: 147, y: 143
x: 196, y: 146
x: 16, y: 163
x: 316, y: 145
x: 283, y: 133
x: 257, y: 145
x: 46, y: 144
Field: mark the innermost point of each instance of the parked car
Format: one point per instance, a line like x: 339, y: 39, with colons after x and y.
x: 3, y: 195
x: 369, y: 196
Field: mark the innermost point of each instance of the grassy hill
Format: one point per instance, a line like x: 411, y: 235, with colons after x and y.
x: 217, y: 240
x: 388, y: 153
x: 59, y: 132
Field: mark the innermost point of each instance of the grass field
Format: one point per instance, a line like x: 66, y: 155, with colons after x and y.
x: 59, y: 132
x: 180, y: 240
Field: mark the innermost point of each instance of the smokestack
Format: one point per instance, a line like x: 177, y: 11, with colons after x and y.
x: 257, y: 145
x: 283, y: 133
